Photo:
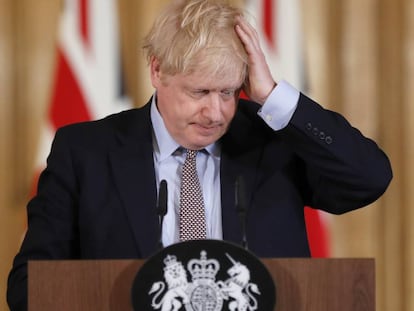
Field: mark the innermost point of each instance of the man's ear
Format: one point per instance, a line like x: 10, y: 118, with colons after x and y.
x: 155, y: 72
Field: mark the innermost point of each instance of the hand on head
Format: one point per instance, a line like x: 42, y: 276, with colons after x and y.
x: 259, y: 83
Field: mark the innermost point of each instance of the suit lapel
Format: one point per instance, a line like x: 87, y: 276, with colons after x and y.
x: 133, y: 170
x: 240, y: 157
x: 231, y: 169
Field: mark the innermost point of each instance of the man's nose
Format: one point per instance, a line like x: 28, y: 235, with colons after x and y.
x: 212, y: 109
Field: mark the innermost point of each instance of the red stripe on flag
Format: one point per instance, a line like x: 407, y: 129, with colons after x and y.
x: 268, y: 17
x: 83, y: 17
x: 317, y: 233
x: 68, y: 103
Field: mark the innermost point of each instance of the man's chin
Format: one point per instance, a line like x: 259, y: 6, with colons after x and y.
x: 204, y: 141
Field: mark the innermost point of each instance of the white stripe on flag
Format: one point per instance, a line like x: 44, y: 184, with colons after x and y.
x: 286, y: 60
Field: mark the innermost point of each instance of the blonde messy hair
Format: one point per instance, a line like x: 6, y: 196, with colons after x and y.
x: 192, y: 35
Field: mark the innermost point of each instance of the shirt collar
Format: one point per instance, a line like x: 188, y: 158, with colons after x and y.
x: 164, y: 144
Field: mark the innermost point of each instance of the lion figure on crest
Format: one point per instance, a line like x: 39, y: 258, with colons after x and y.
x: 176, y: 279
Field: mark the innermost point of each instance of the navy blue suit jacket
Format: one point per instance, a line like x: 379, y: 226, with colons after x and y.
x: 97, y: 196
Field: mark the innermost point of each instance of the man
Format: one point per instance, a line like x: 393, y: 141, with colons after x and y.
x: 96, y: 198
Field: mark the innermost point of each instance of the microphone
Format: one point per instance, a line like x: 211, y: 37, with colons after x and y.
x: 162, y: 208
x: 241, y: 207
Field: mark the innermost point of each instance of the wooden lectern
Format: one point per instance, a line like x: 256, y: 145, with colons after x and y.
x: 105, y: 285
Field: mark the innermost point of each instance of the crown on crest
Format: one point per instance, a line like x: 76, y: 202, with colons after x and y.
x: 203, y: 268
x: 170, y: 261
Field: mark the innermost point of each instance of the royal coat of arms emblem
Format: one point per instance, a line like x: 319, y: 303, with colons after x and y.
x: 204, y: 292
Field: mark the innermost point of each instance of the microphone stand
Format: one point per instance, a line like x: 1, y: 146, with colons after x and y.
x: 162, y: 209
x: 240, y: 203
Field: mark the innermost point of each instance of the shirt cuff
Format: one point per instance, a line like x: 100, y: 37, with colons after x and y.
x: 279, y: 107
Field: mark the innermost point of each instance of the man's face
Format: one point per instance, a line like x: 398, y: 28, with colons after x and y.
x: 196, y: 109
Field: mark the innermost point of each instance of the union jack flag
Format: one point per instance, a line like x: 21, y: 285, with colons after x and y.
x: 87, y: 80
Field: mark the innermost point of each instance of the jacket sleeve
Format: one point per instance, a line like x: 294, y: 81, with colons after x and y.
x: 344, y: 169
x: 51, y: 230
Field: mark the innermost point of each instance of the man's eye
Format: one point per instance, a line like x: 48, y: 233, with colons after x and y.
x: 228, y: 92
x: 200, y: 92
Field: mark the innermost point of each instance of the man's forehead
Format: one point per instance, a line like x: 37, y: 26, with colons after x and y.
x: 200, y: 80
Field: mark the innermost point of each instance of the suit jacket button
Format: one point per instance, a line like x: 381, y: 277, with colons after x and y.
x: 322, y: 135
x: 328, y: 140
x: 315, y: 131
x: 309, y: 126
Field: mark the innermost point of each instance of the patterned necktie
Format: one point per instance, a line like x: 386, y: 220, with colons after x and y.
x: 192, y: 214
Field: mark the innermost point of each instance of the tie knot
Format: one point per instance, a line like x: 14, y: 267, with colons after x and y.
x: 191, y: 154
